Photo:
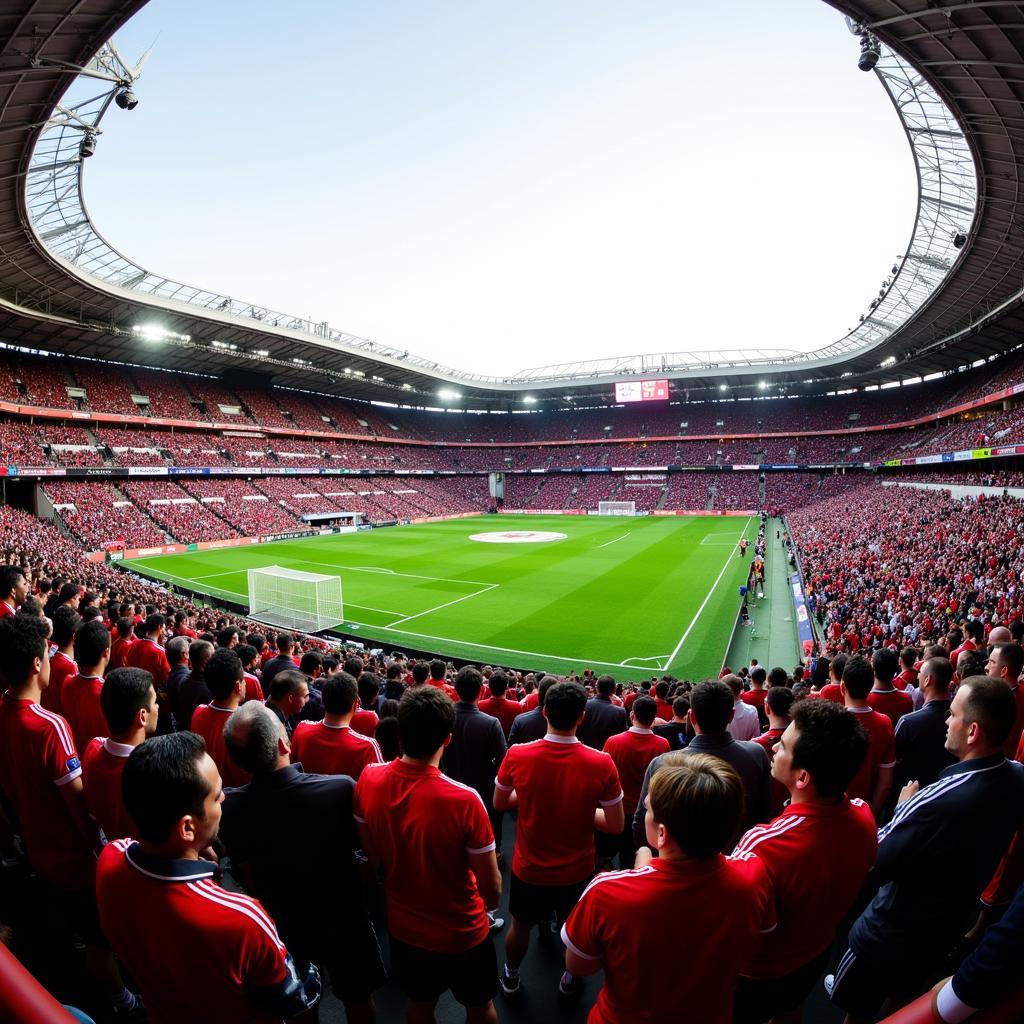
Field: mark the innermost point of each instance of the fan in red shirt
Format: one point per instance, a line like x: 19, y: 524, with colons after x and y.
x: 250, y: 656
x: 632, y: 751
x: 41, y: 778
x: 332, y: 747
x: 755, y: 696
x: 365, y: 719
x: 438, y: 672
x: 80, y: 696
x: 124, y: 639
x: 777, y: 704
x: 198, y: 952
x: 662, y: 703
x: 433, y: 840
x: 498, y: 705
x: 224, y: 677
x: 884, y: 696
x: 832, y: 690
x: 148, y: 653
x: 563, y: 791
x: 909, y: 658
x: 66, y: 622
x: 623, y: 918
x: 818, y: 853
x: 1006, y: 662
x: 14, y: 589
x: 129, y: 705
x: 874, y: 778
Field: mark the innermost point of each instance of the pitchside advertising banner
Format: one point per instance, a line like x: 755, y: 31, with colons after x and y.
x: 803, y: 618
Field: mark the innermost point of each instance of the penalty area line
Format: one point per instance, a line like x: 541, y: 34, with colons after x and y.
x: 465, y: 597
x: 703, y: 604
x: 616, y: 540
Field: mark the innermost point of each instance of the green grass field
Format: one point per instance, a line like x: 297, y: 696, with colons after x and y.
x: 630, y: 596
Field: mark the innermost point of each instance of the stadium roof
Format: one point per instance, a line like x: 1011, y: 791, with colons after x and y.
x: 954, y: 72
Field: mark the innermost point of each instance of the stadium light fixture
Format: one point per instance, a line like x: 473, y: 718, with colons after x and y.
x: 380, y: 379
x: 264, y: 352
x: 348, y: 370
x: 227, y: 345
x: 888, y: 362
x: 762, y: 384
x: 87, y: 146
x: 358, y: 373
x: 407, y: 387
x: 723, y: 387
x: 959, y: 239
x: 530, y: 400
x: 154, y: 332
x: 126, y: 99
x: 447, y: 393
x: 870, y: 51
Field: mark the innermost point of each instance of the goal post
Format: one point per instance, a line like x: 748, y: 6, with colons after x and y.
x: 616, y: 508
x: 292, y: 599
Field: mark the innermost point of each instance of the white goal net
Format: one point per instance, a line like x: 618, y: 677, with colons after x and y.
x: 295, y: 600
x: 616, y: 508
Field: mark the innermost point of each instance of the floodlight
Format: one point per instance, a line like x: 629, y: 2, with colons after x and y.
x: 150, y: 332
x: 126, y: 99
x: 959, y: 240
x: 762, y: 384
x: 530, y: 400
x: 447, y: 393
x: 723, y: 387
x: 870, y: 51
x: 262, y: 352
x: 87, y: 146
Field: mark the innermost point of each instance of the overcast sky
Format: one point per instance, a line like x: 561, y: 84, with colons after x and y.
x: 502, y: 186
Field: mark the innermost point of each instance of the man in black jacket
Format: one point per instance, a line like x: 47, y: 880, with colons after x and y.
x: 313, y: 823
x: 602, y: 718
x: 532, y: 725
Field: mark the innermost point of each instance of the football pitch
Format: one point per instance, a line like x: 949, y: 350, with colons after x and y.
x: 633, y: 597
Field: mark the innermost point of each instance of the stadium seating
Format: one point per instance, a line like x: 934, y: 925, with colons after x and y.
x: 97, y: 514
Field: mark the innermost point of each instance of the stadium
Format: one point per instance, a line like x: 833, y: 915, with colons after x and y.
x: 193, y: 469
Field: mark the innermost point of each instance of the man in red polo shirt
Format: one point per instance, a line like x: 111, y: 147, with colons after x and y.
x: 832, y: 689
x: 563, y: 791
x: 884, y: 696
x: 438, y: 672
x: 632, y: 751
x: 66, y: 622
x: 41, y: 778
x: 332, y: 747
x: 80, y: 696
x: 498, y: 705
x: 758, y: 691
x: 199, y: 952
x: 129, y: 705
x: 874, y: 778
x: 624, y: 920
x: 225, y: 679
x: 909, y: 658
x: 123, y: 640
x: 818, y: 853
x: 433, y: 840
x: 149, y: 652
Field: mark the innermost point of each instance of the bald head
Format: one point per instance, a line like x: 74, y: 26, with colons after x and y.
x: 1000, y: 635
x: 256, y: 739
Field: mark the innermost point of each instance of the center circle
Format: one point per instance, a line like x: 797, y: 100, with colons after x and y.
x: 516, y: 537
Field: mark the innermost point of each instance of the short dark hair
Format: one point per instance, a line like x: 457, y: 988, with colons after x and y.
x: 837, y: 666
x: 66, y: 623
x: 778, y: 677
x: 223, y: 672
x: 199, y: 653
x: 124, y: 693
x: 831, y: 746
x: 420, y: 673
x: 438, y: 669
x: 885, y: 663
x: 1010, y: 656
x: 605, y: 685
x: 681, y: 707
x: 353, y: 665
x: 310, y: 662
x: 285, y: 683
x: 699, y: 800
x: 68, y: 591
x: 971, y: 663
x: 23, y: 639
x: 564, y: 704
x: 91, y: 640
x: 711, y: 704
x: 247, y: 654
x: 735, y: 683
x: 426, y: 717
x: 498, y: 683
x: 909, y: 656
x: 758, y: 675
x: 542, y: 689
x: 368, y: 687
x: 858, y: 677
x: 990, y: 703
x: 161, y: 783
x: 9, y: 576
x: 339, y: 693
x: 285, y: 642
x: 153, y: 622
x: 939, y: 669
x: 468, y: 683
x: 779, y: 700
x: 645, y: 710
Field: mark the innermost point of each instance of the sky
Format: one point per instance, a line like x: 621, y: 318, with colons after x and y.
x: 504, y: 186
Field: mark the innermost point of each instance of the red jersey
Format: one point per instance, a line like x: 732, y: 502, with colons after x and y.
x: 894, y: 703
x: 119, y: 647
x: 80, y: 698
x: 62, y: 668
x: 208, y: 721
x: 632, y: 751
x: 881, y: 752
x: 440, y: 684
x: 818, y: 856
x: 253, y: 690
x: 504, y: 710
x: 423, y: 827
x: 832, y: 692
x: 198, y: 952
x: 365, y: 722
x: 102, y: 765
x: 559, y: 782
x: 148, y: 654
x: 333, y: 749
x: 663, y: 709
x: 754, y: 697
x: 623, y: 918
x: 6, y: 609
x: 531, y: 701
x: 908, y: 677
x: 37, y: 757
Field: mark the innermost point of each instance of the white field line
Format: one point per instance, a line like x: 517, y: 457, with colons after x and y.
x: 615, y: 541
x: 494, y: 647
x: 392, y: 572
x: 703, y: 604
x: 447, y: 604
x: 715, y: 540
x: 368, y: 608
x: 654, y: 657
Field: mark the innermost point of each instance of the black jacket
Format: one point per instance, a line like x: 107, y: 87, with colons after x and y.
x: 603, y: 719
x: 475, y: 751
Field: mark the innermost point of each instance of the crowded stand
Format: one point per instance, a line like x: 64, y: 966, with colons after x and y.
x: 166, y: 394
x: 687, y: 490
x: 21, y: 443
x: 187, y: 448
x: 99, y: 515
x: 736, y: 491
x: 243, y: 505
x: 186, y: 518
x: 106, y: 387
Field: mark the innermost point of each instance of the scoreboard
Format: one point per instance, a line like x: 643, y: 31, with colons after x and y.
x: 642, y: 391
